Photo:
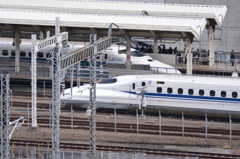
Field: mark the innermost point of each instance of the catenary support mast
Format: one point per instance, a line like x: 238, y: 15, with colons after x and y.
x: 93, y: 96
x: 56, y: 96
x: 5, y: 117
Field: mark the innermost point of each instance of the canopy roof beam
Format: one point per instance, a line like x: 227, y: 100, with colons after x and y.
x: 11, y: 27
x: 38, y: 28
x: 94, y: 30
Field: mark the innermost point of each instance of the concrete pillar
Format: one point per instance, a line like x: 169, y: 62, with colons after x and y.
x: 211, y: 45
x: 128, y: 56
x: 188, y: 54
x: 64, y: 52
x: 155, y: 49
x: 41, y: 35
x: 17, y: 51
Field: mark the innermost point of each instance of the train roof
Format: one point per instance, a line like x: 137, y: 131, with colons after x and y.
x: 186, y: 78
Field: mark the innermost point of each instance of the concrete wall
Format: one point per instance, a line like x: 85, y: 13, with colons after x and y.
x: 230, y: 33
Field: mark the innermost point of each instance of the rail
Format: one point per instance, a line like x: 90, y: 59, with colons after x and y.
x: 126, y: 149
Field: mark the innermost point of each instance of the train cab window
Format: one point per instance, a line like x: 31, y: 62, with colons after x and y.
x: 201, y: 92
x: 30, y: 54
x: 12, y: 53
x: 234, y: 94
x: 180, y: 91
x: 133, y: 86
x: 223, y: 94
x: 137, y: 53
x: 190, y: 91
x: 113, y: 80
x: 143, y: 83
x: 159, y: 89
x: 5, y: 53
x: 169, y: 90
x: 212, y: 93
x: 40, y: 54
x: 22, y: 53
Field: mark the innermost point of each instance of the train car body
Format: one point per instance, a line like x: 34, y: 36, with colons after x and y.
x: 115, y: 55
x: 111, y: 55
x: 165, y: 92
x: 7, y: 49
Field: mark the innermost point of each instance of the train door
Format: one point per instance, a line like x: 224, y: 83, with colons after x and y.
x: 133, y: 90
x: 141, y: 86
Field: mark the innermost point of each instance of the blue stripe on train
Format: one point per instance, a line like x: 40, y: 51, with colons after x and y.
x: 189, y: 97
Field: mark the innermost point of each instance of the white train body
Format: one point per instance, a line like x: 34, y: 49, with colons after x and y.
x: 7, y: 49
x: 168, y: 93
x: 138, y: 57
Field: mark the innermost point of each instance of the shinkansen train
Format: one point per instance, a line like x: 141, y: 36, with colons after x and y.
x: 166, y: 92
x: 110, y: 55
x: 7, y: 49
x: 116, y: 55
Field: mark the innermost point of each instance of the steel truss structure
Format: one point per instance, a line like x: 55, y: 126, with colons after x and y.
x: 56, y: 95
x: 5, y: 117
x: 61, y: 63
x: 83, y: 53
x: 55, y: 102
x: 57, y: 38
x: 92, y: 96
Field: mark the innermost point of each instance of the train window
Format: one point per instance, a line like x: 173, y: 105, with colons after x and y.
x: 180, y: 91
x: 234, y: 94
x: 22, y: 53
x: 212, y: 93
x: 143, y: 83
x: 113, y: 80
x: 13, y: 53
x: 159, y: 89
x: 169, y: 90
x: 190, y: 91
x: 5, y: 53
x: 105, y: 56
x: 30, y: 54
x: 201, y: 92
x: 40, y: 54
x: 223, y: 94
x: 133, y: 86
x: 160, y: 82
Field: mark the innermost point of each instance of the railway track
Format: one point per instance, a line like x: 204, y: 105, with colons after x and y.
x: 29, y: 94
x: 83, y: 123
x: 127, y: 149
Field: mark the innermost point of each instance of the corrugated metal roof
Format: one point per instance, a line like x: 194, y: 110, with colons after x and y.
x: 215, y: 12
x: 102, y: 21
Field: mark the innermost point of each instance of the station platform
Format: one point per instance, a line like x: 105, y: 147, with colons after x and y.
x: 43, y: 71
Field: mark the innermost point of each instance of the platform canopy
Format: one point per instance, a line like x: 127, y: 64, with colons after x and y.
x: 213, y: 13
x: 76, y: 23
